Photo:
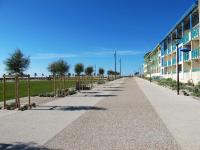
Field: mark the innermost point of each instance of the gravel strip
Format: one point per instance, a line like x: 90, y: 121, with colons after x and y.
x: 129, y: 122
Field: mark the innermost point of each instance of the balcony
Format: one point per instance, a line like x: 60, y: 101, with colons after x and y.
x: 186, y: 38
x: 173, y: 71
x: 174, y: 61
x: 169, y: 63
x: 169, y: 50
x: 196, y: 53
x: 195, y: 32
x: 165, y: 64
x: 195, y: 69
x: 186, y: 56
x: 173, y: 47
x: 165, y: 52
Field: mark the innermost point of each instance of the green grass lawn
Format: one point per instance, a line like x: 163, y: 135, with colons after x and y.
x: 37, y: 87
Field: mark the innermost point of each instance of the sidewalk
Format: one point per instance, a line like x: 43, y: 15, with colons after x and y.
x: 181, y: 114
x: 128, y: 123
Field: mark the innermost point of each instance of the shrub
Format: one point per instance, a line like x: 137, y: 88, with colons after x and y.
x: 101, y: 82
x: 196, y: 90
x: 51, y: 94
x: 25, y: 107
x: 71, y: 91
x: 10, y: 106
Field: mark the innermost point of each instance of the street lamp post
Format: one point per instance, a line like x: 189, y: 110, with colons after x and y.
x: 177, y: 62
x: 177, y: 66
x: 150, y: 61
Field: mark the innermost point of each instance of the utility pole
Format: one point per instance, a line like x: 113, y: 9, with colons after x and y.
x: 95, y: 72
x: 120, y: 65
x: 115, y: 55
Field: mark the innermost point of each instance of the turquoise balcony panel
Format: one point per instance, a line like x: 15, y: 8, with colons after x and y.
x: 165, y: 64
x: 173, y: 71
x: 169, y: 63
x: 195, y: 69
x: 186, y: 56
x: 196, y: 53
x: 165, y: 52
x: 195, y: 32
x: 173, y: 47
x: 174, y: 61
x: 169, y: 50
x: 186, y: 38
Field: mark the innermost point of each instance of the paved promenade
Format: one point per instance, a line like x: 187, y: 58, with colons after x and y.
x: 129, y: 122
x: 124, y: 114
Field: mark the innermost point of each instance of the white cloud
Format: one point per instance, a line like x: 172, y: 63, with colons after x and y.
x: 111, y: 52
x: 100, y: 53
x: 53, y: 55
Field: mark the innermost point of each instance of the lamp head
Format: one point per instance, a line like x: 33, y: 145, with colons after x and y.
x: 185, y: 50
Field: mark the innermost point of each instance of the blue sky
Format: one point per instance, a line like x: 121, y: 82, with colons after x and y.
x: 86, y: 31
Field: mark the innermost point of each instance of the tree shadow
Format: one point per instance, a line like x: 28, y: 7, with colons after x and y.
x: 89, y: 92
x: 104, y: 95
x: 114, y: 87
x: 69, y: 108
x: 113, y: 90
x: 21, y: 146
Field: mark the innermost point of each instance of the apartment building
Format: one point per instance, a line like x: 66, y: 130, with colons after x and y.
x: 162, y: 61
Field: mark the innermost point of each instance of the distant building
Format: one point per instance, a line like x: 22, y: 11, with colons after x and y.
x: 161, y: 61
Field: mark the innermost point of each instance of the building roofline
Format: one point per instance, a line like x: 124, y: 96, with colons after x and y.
x: 181, y: 19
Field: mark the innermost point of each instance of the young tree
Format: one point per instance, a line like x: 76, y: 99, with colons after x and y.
x: 101, y: 72
x: 79, y: 68
x: 35, y: 75
x: 17, y: 63
x: 53, y: 68
x: 62, y: 67
x: 59, y: 68
x: 89, y: 70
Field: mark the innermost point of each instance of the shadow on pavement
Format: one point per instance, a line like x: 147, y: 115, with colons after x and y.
x: 103, y: 95
x: 114, y: 87
x: 21, y: 146
x: 69, y: 108
x: 113, y: 90
x: 90, y: 92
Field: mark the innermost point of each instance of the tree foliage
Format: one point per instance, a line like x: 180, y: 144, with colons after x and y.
x: 79, y: 68
x: 89, y: 70
x: 59, y: 68
x: 101, y: 71
x: 17, y: 63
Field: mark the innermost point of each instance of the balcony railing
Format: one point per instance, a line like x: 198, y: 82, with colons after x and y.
x: 165, y: 52
x: 196, y: 53
x: 195, y: 32
x: 173, y: 71
x: 186, y: 38
x: 169, y: 50
x: 169, y: 63
x: 195, y: 69
x: 165, y: 64
x: 173, y: 47
x: 174, y: 61
x: 186, y: 56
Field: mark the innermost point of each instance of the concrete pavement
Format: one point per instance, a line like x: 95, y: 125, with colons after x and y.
x: 181, y: 114
x: 129, y: 122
